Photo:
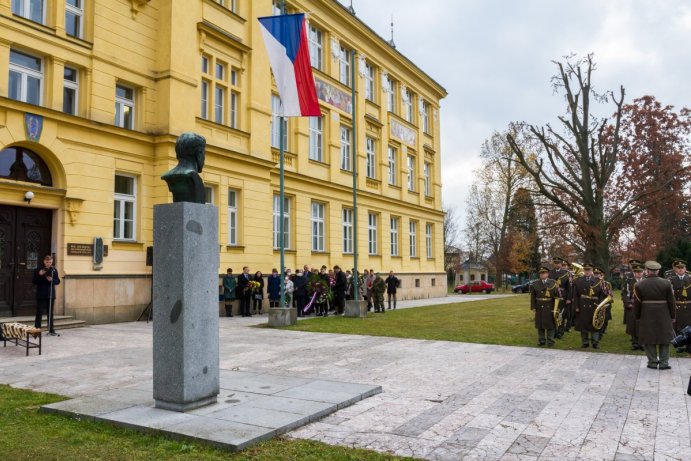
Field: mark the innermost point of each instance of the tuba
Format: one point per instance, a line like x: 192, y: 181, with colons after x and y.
x: 578, y: 269
x: 558, y: 314
x: 600, y: 312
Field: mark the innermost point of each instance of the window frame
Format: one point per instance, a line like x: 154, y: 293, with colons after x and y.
x: 219, y: 104
x: 120, y: 200
x: 426, y: 171
x: 71, y: 85
x: 287, y: 207
x: 391, y: 97
x: 132, y: 104
x: 346, y: 148
x: 232, y: 208
x: 316, y: 139
x: 425, y: 117
x: 411, y: 173
x: 315, y: 38
x: 394, y: 231
x: 78, y: 12
x: 428, y: 240
x: 275, y: 129
x: 347, y: 228
x: 318, y: 226
x: 204, y: 99
x: 392, y: 157
x: 25, y: 7
x: 344, y: 66
x: 412, y: 241
x: 372, y: 231
x: 370, y: 82
x: 24, y: 74
x: 371, y: 157
x: 409, y: 107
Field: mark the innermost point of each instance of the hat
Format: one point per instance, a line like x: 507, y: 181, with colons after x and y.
x: 634, y: 262
x: 588, y: 265
x: 556, y: 259
x: 653, y: 265
x: 542, y: 269
x: 678, y: 263
x: 597, y: 270
x: 637, y: 267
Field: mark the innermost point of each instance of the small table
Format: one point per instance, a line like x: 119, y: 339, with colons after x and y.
x: 26, y: 340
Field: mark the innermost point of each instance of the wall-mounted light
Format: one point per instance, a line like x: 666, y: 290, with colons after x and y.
x: 28, y: 196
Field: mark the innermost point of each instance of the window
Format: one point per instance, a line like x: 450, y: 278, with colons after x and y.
x: 26, y: 77
x: 344, y: 66
x: 369, y: 82
x: 315, y: 42
x: 232, y: 217
x: 411, y: 173
x: 70, y: 91
x: 276, y: 8
x: 372, y: 233
x: 371, y: 159
x: 394, y: 236
x: 316, y: 139
x: 125, y: 207
x: 232, y: 7
x: 347, y: 230
x: 318, y: 226
x: 21, y: 164
x: 233, y: 109
x: 219, y: 104
x: 393, y: 154
x: 413, y: 239
x: 276, y: 109
x: 30, y: 9
x: 277, y: 221
x: 408, y: 104
x: 124, y: 107
x: 425, y: 117
x: 209, y: 195
x: 220, y: 70
x: 428, y: 239
x: 345, y: 149
x: 205, y: 100
x: 205, y: 65
x: 74, y: 14
x: 391, y: 95
x: 426, y: 177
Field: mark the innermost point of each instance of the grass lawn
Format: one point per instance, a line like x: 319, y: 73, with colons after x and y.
x: 508, y: 321
x: 26, y: 434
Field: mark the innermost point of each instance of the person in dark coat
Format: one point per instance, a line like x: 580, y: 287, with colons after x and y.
x: 392, y: 284
x: 587, y: 294
x: 45, y: 279
x: 273, y: 289
x: 339, y: 290
x: 300, y: 291
x: 243, y: 292
x: 608, y: 291
x: 258, y: 293
x: 543, y: 293
x: 627, y: 299
x: 229, y: 291
x: 655, y: 309
x: 561, y: 275
x: 681, y: 284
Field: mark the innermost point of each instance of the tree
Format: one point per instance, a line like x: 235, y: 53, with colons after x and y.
x: 522, y: 242
x: 576, y: 165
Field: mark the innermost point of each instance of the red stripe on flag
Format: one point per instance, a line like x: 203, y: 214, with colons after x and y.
x: 307, y: 94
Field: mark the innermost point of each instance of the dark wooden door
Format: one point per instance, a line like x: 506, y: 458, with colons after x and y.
x: 28, y: 241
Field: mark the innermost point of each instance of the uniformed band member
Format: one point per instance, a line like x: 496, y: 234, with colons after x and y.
x: 681, y: 284
x: 561, y: 275
x: 654, y: 307
x: 608, y: 291
x: 635, y: 276
x: 587, y: 294
x: 543, y: 292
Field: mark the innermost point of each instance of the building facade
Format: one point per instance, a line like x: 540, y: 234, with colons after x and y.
x: 95, y: 93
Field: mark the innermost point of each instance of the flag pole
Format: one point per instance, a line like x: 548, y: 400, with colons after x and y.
x: 281, y: 194
x: 356, y: 294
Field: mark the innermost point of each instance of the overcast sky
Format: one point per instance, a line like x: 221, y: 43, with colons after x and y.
x: 494, y: 58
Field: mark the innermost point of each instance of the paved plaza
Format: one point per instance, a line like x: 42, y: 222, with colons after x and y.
x: 440, y: 401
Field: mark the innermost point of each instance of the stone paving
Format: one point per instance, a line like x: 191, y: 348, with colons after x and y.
x: 440, y: 401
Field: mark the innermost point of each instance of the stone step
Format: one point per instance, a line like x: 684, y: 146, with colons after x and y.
x: 61, y: 322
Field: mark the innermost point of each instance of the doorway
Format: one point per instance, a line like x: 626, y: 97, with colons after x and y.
x: 25, y: 238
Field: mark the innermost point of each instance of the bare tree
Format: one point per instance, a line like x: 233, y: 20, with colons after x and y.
x: 451, y: 237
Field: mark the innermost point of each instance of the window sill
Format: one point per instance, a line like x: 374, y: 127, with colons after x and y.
x: 33, y: 24
x: 127, y: 244
x: 396, y: 257
x: 374, y: 255
x: 318, y: 162
x: 278, y: 250
x: 350, y: 172
x: 235, y: 247
x: 394, y: 186
x: 413, y: 192
x: 415, y: 257
x: 314, y: 252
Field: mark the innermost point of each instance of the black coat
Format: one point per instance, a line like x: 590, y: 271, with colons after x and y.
x: 300, y: 286
x: 43, y: 285
x: 392, y: 283
x: 340, y: 286
x: 242, y: 289
x: 654, y: 307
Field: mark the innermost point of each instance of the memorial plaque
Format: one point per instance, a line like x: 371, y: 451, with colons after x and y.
x: 83, y: 249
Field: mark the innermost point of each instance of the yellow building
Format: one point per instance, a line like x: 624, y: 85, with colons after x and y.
x: 94, y: 94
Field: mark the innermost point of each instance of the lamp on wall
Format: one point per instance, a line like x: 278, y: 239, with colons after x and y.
x: 28, y: 196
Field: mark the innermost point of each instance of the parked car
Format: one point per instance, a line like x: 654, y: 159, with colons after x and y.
x: 477, y: 286
x: 523, y: 288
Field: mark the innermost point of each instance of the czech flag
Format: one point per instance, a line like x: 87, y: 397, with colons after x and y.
x: 286, y: 42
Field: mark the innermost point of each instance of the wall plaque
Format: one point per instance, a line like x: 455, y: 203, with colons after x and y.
x: 83, y: 249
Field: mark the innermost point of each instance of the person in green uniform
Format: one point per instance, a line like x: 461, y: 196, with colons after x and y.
x: 587, y: 294
x: 681, y: 284
x: 632, y: 279
x: 543, y: 293
x: 378, y: 290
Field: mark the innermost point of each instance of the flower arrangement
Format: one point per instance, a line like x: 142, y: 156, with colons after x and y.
x: 321, y: 287
x: 332, y: 281
x: 253, y: 285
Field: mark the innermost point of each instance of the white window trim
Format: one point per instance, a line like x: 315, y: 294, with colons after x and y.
x: 394, y: 236
x: 413, y: 239
x: 346, y: 149
x: 119, y: 200
x: 25, y: 7
x: 344, y: 66
x: 372, y: 246
x: 77, y: 12
x: 393, y: 165
x: 276, y: 222
x: 370, y: 82
x: 347, y: 221
x: 411, y: 173
x: 391, y: 99
x: 234, y: 98
x: 73, y: 85
x: 25, y: 73
x: 220, y: 104
x: 204, y: 88
x: 371, y: 158
x: 316, y: 137
x: 425, y: 117
x: 275, y: 129
x: 233, y: 218
x: 428, y: 240
x: 315, y: 38
x: 128, y: 103
x: 426, y: 177
x: 409, y: 115
x: 318, y: 226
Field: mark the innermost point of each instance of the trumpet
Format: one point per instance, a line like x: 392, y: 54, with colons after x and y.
x: 600, y: 312
x: 558, y: 315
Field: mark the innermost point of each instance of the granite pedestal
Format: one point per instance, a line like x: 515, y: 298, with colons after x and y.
x: 355, y: 309
x: 185, y: 305
x: 282, y: 317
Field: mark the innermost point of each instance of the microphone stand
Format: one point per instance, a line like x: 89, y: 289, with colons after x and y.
x: 51, y: 328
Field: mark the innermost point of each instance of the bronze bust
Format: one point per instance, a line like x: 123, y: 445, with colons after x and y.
x: 184, y: 180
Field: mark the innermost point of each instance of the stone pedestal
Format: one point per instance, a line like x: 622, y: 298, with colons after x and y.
x: 355, y: 309
x: 282, y: 317
x: 185, y: 306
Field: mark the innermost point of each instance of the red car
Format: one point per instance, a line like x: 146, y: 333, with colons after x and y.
x: 477, y: 286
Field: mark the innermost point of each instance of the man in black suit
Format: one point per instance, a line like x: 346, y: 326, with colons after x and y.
x: 339, y: 290
x: 45, y: 279
x: 300, y: 291
x: 244, y: 293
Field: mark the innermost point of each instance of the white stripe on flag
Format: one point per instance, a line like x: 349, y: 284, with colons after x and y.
x: 284, y: 74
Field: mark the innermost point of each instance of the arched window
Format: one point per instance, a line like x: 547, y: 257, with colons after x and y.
x: 21, y: 164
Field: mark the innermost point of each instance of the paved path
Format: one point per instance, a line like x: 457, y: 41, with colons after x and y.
x: 441, y: 400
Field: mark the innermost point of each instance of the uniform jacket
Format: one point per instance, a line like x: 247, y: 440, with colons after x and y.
x: 627, y: 299
x: 653, y: 302
x: 563, y: 279
x: 542, y: 296
x: 43, y: 288
x: 682, y: 295
x: 587, y: 294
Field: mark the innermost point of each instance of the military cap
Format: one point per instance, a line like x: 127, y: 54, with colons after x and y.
x: 588, y: 265
x: 556, y: 259
x: 564, y: 261
x: 597, y: 270
x: 635, y: 262
x: 653, y: 265
x: 542, y: 269
x: 678, y: 263
x: 636, y: 267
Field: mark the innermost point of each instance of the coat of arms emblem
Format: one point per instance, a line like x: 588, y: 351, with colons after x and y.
x: 33, y: 125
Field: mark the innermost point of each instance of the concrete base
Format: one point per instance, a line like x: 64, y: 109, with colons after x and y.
x: 282, y: 317
x: 356, y: 309
x: 254, y: 407
x: 185, y: 306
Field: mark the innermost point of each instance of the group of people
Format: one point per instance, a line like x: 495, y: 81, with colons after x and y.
x: 654, y: 307
x: 310, y: 290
